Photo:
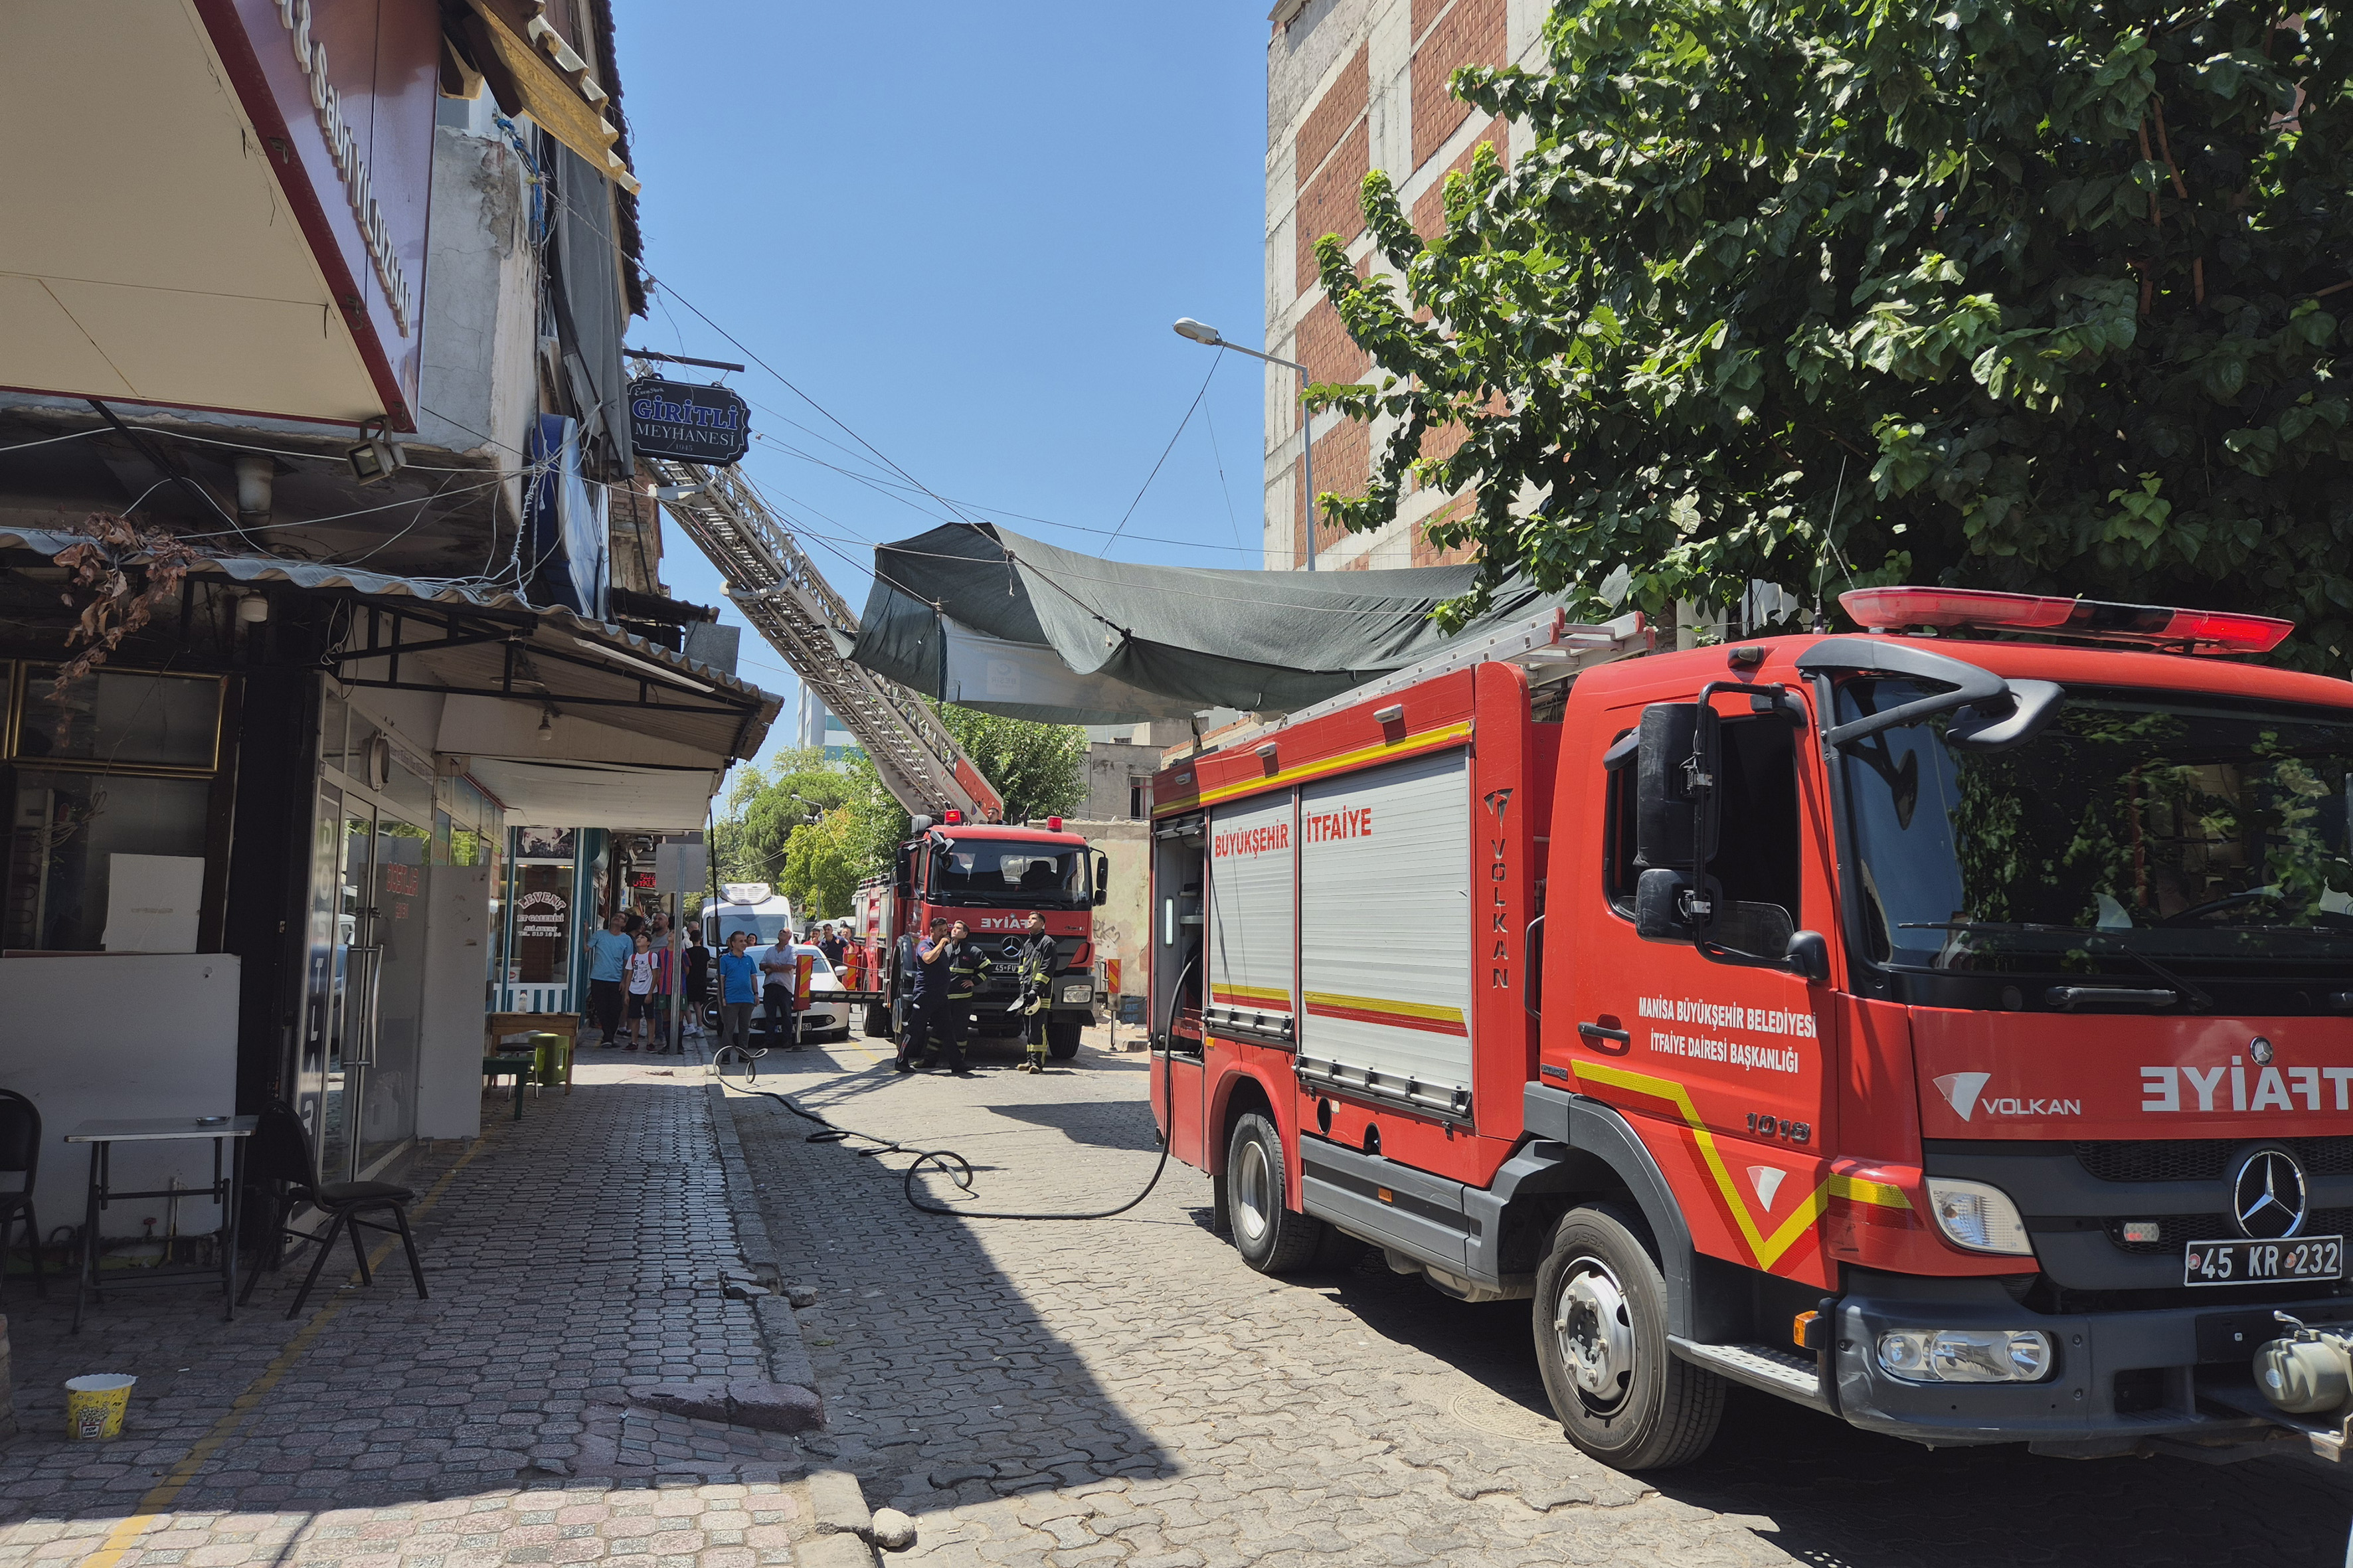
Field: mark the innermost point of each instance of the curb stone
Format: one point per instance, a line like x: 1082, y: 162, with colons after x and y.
x: 780, y: 1331
x: 834, y: 1551
x: 837, y: 1506
x: 751, y: 1231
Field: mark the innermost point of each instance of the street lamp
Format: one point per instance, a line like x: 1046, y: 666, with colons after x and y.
x: 1187, y: 327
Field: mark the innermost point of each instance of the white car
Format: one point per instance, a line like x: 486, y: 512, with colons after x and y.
x: 827, y: 1016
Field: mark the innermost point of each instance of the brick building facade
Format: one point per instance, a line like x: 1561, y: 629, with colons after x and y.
x: 1355, y: 85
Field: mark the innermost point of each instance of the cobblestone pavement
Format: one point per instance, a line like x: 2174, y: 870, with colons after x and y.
x: 1126, y: 1392
x: 575, y: 1258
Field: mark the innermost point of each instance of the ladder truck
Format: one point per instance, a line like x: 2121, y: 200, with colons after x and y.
x: 961, y: 853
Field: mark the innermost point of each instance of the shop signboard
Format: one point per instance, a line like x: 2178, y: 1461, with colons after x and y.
x: 541, y: 913
x: 689, y: 422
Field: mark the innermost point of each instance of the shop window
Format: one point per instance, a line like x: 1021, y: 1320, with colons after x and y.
x: 123, y: 718
x: 1756, y: 857
x: 103, y: 861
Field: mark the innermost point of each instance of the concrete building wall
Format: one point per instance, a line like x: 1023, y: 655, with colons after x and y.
x: 1353, y: 86
x: 1116, y: 770
x: 479, y: 378
x: 1123, y: 921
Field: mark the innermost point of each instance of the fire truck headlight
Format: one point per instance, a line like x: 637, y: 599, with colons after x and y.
x: 1978, y: 1216
x: 1965, y: 1355
x: 1078, y: 993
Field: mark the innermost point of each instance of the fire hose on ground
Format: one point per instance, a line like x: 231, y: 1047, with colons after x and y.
x: 959, y: 1170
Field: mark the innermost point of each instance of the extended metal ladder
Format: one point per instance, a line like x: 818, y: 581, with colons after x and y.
x: 780, y: 592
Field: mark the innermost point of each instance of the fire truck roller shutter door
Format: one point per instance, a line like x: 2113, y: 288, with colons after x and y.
x: 1385, y: 938
x: 1251, y: 909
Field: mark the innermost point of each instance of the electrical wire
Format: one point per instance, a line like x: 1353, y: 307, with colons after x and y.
x: 788, y: 384
x: 1224, y: 489
x: 1215, y: 361
x: 47, y: 440
x: 890, y: 491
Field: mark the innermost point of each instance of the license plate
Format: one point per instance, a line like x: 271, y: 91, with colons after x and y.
x: 2263, y: 1262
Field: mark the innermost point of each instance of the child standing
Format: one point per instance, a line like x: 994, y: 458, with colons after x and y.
x: 641, y: 990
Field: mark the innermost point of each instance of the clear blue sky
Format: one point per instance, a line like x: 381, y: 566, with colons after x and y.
x: 964, y: 230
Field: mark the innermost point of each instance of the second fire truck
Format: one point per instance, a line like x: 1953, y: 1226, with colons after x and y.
x: 1948, y: 1027
x: 990, y: 875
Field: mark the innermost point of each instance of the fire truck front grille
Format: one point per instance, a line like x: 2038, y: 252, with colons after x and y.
x: 2200, y: 1160
x: 2176, y: 1231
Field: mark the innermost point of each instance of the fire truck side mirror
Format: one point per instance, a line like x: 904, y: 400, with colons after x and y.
x: 1103, y: 878
x: 1660, y: 898
x: 1669, y: 824
x: 1809, y: 955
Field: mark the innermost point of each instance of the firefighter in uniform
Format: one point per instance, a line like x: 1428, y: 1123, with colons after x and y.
x: 966, y: 960
x: 1039, y: 956
x: 927, y: 995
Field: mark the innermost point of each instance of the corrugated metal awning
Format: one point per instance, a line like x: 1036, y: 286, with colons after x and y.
x: 506, y: 663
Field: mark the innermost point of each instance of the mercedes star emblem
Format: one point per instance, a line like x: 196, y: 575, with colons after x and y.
x: 2259, y: 1051
x: 2268, y: 1196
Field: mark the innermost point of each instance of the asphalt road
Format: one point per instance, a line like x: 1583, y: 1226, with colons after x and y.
x: 1124, y: 1390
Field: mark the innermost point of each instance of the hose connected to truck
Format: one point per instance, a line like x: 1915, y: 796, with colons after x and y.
x: 961, y: 1171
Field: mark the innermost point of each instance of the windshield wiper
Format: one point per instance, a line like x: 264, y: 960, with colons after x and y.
x: 2197, y: 998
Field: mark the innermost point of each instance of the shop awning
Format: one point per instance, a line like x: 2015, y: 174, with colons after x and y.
x: 570, y: 714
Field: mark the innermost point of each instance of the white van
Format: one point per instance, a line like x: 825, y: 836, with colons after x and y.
x: 753, y: 907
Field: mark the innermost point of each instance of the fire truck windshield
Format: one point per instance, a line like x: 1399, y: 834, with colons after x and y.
x: 2175, y: 834
x: 987, y: 871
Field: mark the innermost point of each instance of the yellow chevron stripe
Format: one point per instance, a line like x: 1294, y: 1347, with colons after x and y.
x: 1768, y: 1250
x: 1408, y: 745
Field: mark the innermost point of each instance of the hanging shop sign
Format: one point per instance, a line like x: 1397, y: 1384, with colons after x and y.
x: 688, y: 421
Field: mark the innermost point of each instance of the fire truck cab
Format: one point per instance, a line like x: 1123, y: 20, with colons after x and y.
x: 991, y: 876
x: 1947, y: 1027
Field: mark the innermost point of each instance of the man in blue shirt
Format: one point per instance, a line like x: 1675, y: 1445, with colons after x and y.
x: 608, y: 958
x: 739, y: 990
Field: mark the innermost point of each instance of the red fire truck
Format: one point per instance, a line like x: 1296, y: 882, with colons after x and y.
x: 1949, y: 1027
x: 990, y: 875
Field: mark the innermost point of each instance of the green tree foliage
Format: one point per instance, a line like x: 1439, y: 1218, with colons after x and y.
x: 823, y: 863
x: 1039, y: 769
x: 765, y: 808
x: 2041, y: 294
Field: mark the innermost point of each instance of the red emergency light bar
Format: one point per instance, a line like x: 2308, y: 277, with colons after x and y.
x: 2157, y: 626
x: 953, y: 816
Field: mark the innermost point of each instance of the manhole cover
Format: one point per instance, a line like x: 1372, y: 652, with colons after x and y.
x: 1483, y: 1410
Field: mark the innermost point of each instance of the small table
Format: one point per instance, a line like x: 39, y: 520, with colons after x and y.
x: 496, y: 1026
x: 228, y: 1183
x: 520, y: 1068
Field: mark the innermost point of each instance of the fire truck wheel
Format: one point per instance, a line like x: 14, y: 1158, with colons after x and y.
x: 1601, y: 1342
x: 1270, y: 1235
x: 1062, y: 1037
x: 878, y: 1020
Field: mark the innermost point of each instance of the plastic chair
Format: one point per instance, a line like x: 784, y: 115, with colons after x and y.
x: 20, y: 1152
x: 280, y: 1152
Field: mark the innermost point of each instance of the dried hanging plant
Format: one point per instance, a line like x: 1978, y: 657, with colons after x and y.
x: 111, y: 605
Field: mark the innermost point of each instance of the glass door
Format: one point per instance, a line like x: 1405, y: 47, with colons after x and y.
x: 351, y: 1009
x: 387, y: 1095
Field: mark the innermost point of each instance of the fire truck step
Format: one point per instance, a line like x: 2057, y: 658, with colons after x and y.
x: 1786, y: 1373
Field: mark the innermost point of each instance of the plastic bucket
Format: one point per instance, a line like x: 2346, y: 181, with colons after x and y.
x: 94, y: 1406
